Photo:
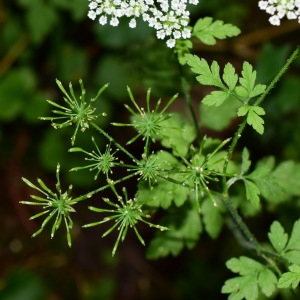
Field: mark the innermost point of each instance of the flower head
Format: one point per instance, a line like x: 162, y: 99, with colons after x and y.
x: 200, y: 170
x: 59, y: 204
x: 149, y: 123
x: 102, y: 162
x: 280, y: 9
x: 78, y: 112
x: 125, y: 213
x: 169, y: 17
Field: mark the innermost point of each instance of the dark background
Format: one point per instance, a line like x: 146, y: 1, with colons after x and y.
x: 44, y: 40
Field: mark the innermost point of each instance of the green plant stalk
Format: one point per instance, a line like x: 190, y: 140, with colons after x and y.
x: 235, y: 139
x: 114, y: 141
x: 240, y: 223
x: 236, y: 217
x: 265, y: 254
x: 185, y: 89
x: 102, y: 188
x: 244, y: 122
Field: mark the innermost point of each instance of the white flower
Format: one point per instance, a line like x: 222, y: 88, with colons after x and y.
x: 114, y: 22
x: 186, y: 33
x: 171, y: 43
x: 280, y: 9
x: 160, y: 34
x: 169, y: 18
x: 103, y: 20
x: 263, y: 5
x: 132, y: 23
x: 177, y: 34
x: 93, y: 5
x: 291, y: 15
x: 274, y: 20
x: 92, y: 15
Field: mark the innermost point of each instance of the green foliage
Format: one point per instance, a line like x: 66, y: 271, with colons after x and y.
x: 287, y: 248
x: 22, y: 283
x: 212, y: 217
x: 184, y: 229
x: 41, y: 16
x: 182, y: 48
x: 12, y: 104
x: 253, y: 114
x: 254, y: 278
x: 273, y: 184
x: 59, y: 204
x: 207, y: 30
x: 126, y: 214
x: 191, y: 182
x: 244, y: 92
x: 291, y: 278
x: 78, y: 112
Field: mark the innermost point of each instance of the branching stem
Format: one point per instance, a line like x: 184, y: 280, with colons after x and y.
x: 113, y: 141
x: 185, y: 89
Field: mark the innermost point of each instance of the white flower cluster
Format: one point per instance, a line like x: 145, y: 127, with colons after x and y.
x: 169, y: 17
x: 280, y: 8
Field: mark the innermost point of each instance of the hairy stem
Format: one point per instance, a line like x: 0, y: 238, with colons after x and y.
x: 114, y: 141
x: 186, y: 91
x: 234, y: 213
x: 230, y: 151
x: 244, y: 122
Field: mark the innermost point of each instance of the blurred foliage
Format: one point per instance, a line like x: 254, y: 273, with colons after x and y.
x: 44, y: 40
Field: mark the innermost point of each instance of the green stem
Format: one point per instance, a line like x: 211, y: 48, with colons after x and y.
x: 186, y: 91
x: 244, y: 122
x: 114, y: 141
x: 265, y: 254
x: 102, y: 188
x: 236, y: 217
x: 230, y: 151
x: 240, y: 223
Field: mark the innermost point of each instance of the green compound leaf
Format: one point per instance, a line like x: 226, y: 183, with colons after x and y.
x: 252, y: 193
x: 246, y: 162
x: 271, y: 188
x: 254, y: 279
x: 229, y: 76
x: 253, y: 116
x: 292, y: 249
x: 286, y: 175
x: 212, y: 217
x: 291, y: 278
x: 209, y: 75
x: 164, y: 192
x: 216, y: 98
x: 267, y: 282
x: 277, y: 236
x: 207, y: 31
x: 247, y: 88
x: 264, y: 181
x: 177, y: 134
x: 184, y: 230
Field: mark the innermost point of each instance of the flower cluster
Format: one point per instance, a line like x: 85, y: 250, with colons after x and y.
x: 124, y: 214
x: 79, y: 112
x: 280, y: 8
x: 169, y: 17
x: 56, y: 205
